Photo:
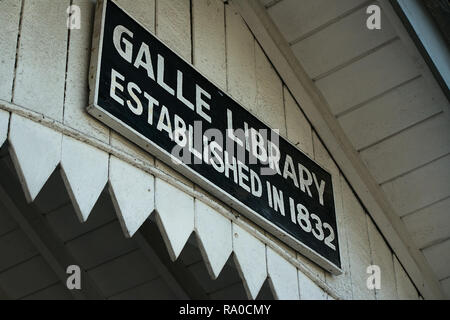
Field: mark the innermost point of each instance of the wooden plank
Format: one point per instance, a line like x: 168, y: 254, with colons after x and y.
x: 250, y: 258
x: 296, y: 19
x: 396, y: 110
x: 241, y: 62
x: 341, y: 42
x: 123, y: 273
x: 405, y: 288
x: 77, y: 93
x: 308, y: 289
x: 10, y: 16
x: 35, y: 151
x: 175, y: 216
x: 173, y: 173
x: 27, y: 278
x: 420, y: 188
x: 438, y: 256
x: 312, y: 267
x: 141, y: 10
x: 123, y: 144
x: 15, y: 248
x: 429, y: 225
x: 213, y: 231
x: 375, y: 77
x: 7, y: 224
x: 132, y: 208
x: 297, y: 126
x: 409, y: 149
x: 208, y: 36
x: 173, y: 26
x: 84, y: 170
x: 269, y: 93
x: 341, y: 283
x: 358, y: 244
x: 382, y: 257
x: 43, y: 23
x: 282, y: 277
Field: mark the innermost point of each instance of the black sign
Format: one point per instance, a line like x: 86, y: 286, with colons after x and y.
x: 159, y: 101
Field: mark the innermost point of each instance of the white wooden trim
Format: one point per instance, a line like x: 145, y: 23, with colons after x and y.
x: 213, y: 233
x: 318, y: 113
x: 84, y: 170
x: 250, y: 259
x: 35, y: 151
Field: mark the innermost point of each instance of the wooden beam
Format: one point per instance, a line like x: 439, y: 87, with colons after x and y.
x: 34, y: 225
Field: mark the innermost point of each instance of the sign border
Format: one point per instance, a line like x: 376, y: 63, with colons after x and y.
x: 149, y: 146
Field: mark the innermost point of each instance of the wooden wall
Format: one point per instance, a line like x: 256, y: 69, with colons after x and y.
x: 45, y: 69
